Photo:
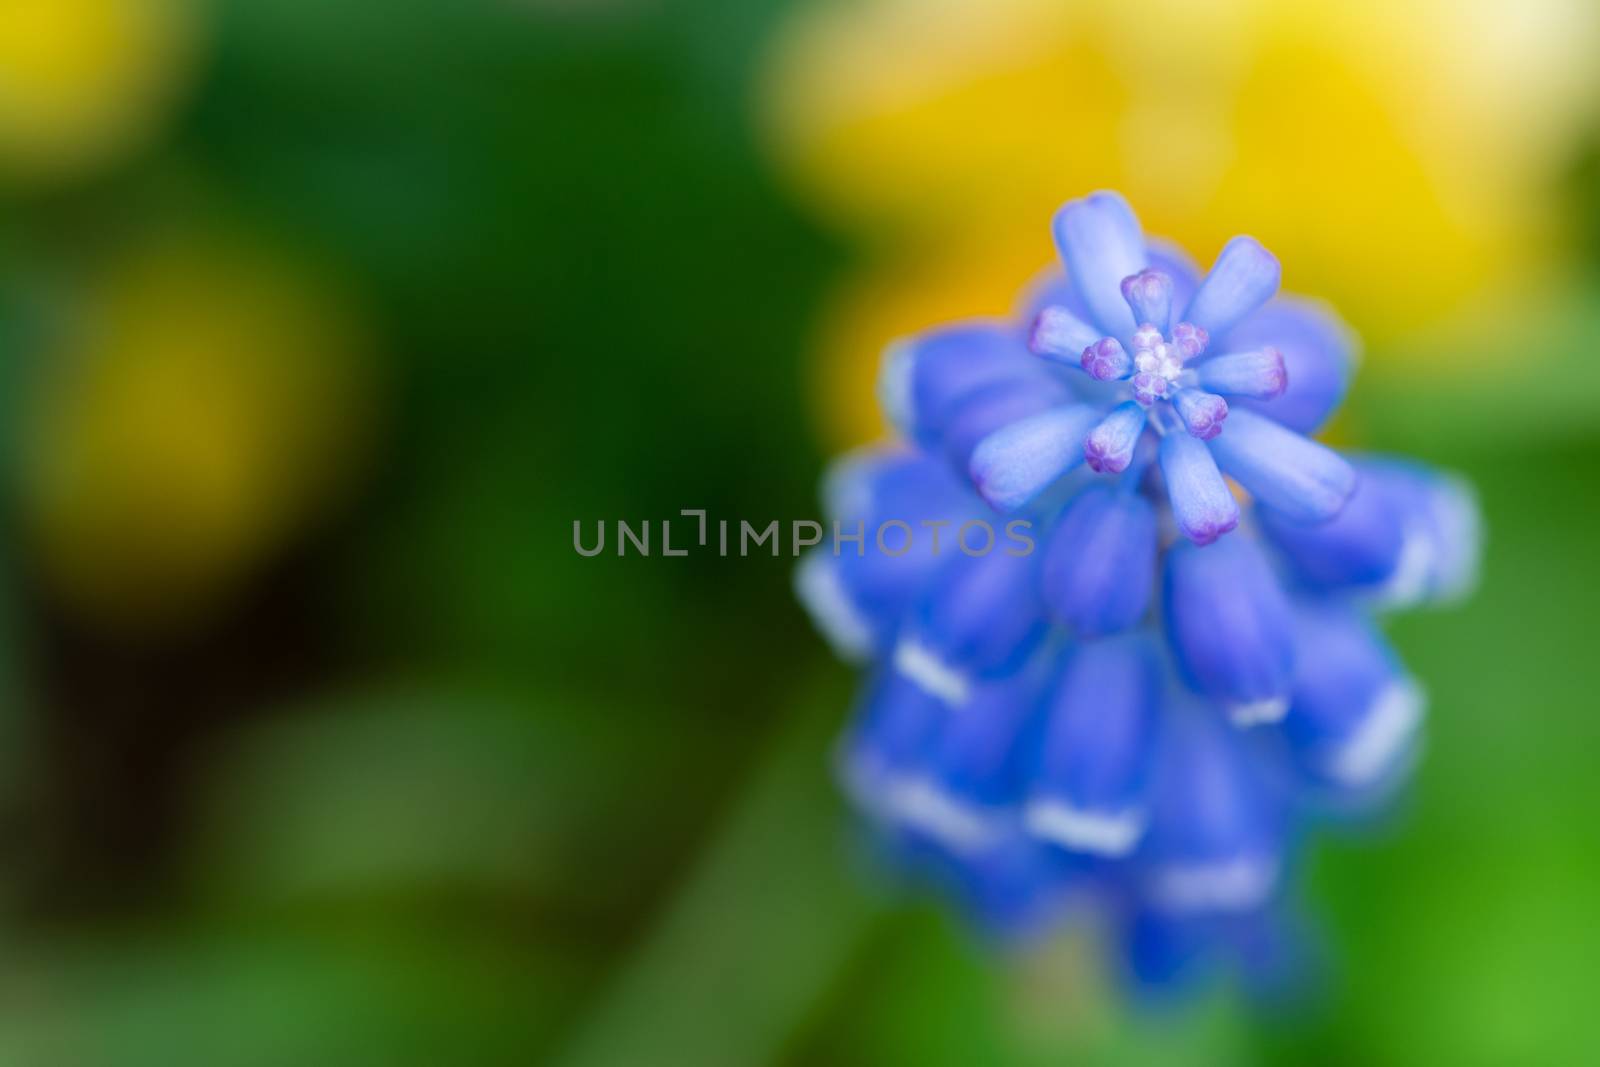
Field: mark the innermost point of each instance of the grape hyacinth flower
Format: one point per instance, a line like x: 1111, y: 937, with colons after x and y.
x: 1136, y: 719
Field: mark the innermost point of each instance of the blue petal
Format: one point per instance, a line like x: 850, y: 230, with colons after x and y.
x: 1354, y: 715
x: 1166, y: 954
x: 1090, y: 790
x: 1229, y: 625
x: 877, y: 588
x: 1260, y: 373
x: 1052, y: 288
x: 1101, y: 244
x: 818, y: 585
x: 1216, y: 834
x: 1293, y: 475
x: 854, y: 484
x: 1360, y: 547
x: 1060, y: 336
x: 1202, y: 504
x: 1318, y: 355
x: 1100, y: 563
x: 991, y: 407
x: 1170, y: 955
x: 982, y: 757
x: 894, y: 737
x: 1244, y: 277
x: 1202, y: 413
x: 1442, y: 532
x: 981, y: 616
x: 875, y: 483
x: 1108, y: 448
x: 964, y: 790
x: 926, y: 377
x: 1016, y: 463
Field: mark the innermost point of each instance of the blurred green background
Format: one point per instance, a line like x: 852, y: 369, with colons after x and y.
x: 321, y: 323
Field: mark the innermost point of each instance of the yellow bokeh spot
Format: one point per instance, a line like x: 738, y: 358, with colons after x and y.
x: 936, y: 160
x: 210, y: 397
x: 1400, y: 163
x: 83, y: 80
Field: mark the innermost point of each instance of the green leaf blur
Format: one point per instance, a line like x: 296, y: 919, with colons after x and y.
x: 402, y: 779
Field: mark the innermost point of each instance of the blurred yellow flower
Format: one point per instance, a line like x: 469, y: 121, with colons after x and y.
x: 1400, y: 159
x: 211, y: 395
x: 83, y: 80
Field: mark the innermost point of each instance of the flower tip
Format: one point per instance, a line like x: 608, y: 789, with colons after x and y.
x: 1379, y: 743
x: 1301, y: 480
x: 1017, y: 462
x: 1039, y: 333
x: 1103, y: 459
x: 1260, y: 373
x: 928, y: 671
x: 1341, y: 482
x: 1276, y: 379
x: 1058, y: 335
x: 1148, y: 388
x: 1148, y: 283
x: 1244, y: 249
x: 986, y: 480
x: 1106, y: 360
x: 1149, y: 297
x: 1231, y: 886
x: 1258, y: 712
x: 1111, y: 834
x: 1108, y: 448
x: 824, y: 596
x: 1202, y: 413
x: 1205, y: 531
x: 1101, y: 200
x: 1190, y: 340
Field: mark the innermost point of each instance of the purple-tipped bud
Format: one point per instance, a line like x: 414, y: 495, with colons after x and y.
x: 1149, y: 387
x: 1202, y: 504
x: 1260, y: 374
x: 1202, y: 413
x: 1016, y: 463
x: 1106, y: 361
x: 1146, y: 338
x: 1109, y: 446
x: 1300, y: 479
x: 1149, y: 294
x: 1190, y: 340
x: 1059, y: 336
x: 1318, y: 353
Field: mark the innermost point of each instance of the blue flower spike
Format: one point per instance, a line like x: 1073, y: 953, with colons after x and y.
x: 1041, y: 728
